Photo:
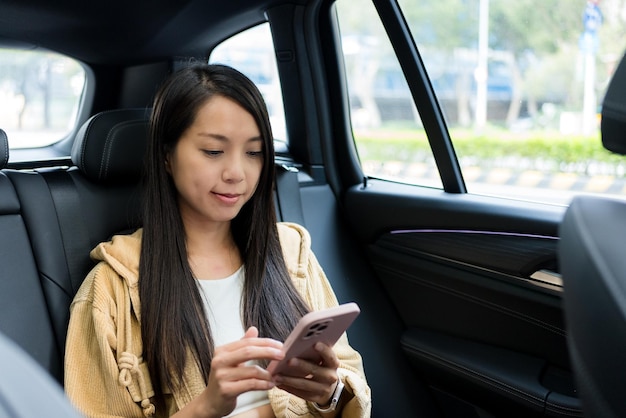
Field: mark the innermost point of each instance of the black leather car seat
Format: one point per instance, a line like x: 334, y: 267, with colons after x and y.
x: 26, y: 388
x: 24, y: 311
x: 593, y: 263
x: 67, y: 212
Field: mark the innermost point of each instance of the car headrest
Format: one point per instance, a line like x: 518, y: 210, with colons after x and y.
x: 594, y: 301
x: 4, y: 149
x: 613, y: 125
x: 110, y: 146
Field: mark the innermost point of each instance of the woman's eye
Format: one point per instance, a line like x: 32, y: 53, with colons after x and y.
x: 255, y: 153
x: 212, y: 153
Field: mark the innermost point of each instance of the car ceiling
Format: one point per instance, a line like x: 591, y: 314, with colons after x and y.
x: 123, y: 31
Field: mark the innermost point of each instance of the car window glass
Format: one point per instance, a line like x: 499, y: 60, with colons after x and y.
x: 252, y: 53
x: 520, y: 85
x: 40, y: 94
x: 386, y: 125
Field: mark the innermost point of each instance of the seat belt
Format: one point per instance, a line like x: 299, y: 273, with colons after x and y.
x: 73, y: 230
x: 288, y: 194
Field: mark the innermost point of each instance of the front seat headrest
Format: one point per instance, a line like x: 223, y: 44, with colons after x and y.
x: 594, y: 301
x: 613, y: 125
x: 4, y: 149
x: 110, y: 146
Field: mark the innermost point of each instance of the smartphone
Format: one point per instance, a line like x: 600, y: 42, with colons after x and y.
x: 326, y: 325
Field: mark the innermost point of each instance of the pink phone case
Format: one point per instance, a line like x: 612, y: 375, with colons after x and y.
x: 326, y: 326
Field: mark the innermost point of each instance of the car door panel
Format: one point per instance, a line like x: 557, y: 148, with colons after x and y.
x: 475, y: 282
x: 508, y: 382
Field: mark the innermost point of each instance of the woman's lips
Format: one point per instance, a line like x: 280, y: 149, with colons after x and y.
x: 228, y: 198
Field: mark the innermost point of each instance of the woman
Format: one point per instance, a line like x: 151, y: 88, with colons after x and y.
x: 180, y: 318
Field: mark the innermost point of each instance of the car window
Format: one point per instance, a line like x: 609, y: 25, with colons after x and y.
x: 386, y: 125
x: 40, y: 94
x: 520, y: 85
x: 252, y: 53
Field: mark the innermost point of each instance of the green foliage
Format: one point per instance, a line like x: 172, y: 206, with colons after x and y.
x: 552, y: 146
x: 542, y: 26
x: 446, y: 24
x: 493, y: 148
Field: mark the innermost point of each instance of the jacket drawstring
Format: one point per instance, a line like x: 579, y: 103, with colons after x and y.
x: 133, y: 374
x: 128, y: 364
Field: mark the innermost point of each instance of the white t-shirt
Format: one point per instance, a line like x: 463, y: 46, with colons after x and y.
x: 222, y: 301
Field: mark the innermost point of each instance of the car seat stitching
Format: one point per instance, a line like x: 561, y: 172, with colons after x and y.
x: 88, y: 130
x: 108, y: 147
x: 106, y: 154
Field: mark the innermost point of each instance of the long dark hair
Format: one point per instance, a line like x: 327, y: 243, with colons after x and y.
x: 173, y: 320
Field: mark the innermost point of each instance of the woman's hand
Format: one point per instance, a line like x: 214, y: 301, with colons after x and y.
x: 232, y: 373
x: 314, y: 382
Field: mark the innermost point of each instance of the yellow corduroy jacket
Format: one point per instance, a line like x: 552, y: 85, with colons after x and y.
x: 105, y: 375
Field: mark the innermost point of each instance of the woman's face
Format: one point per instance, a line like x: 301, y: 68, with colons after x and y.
x: 217, y: 162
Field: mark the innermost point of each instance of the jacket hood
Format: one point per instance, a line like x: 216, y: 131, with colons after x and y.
x: 122, y: 254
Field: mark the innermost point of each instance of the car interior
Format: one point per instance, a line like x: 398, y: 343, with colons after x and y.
x: 466, y: 308
x: 593, y: 266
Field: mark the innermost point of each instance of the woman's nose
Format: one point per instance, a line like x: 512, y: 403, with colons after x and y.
x: 233, y: 170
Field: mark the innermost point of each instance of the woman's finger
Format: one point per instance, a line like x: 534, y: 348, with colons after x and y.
x: 250, y: 338
x: 244, y: 354
x: 329, y: 357
x: 309, y: 389
x: 251, y: 332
